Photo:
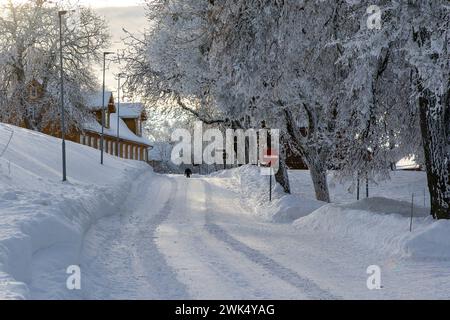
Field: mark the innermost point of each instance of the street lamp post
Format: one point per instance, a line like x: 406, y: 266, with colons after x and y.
x: 120, y: 75
x: 63, y: 128
x: 103, y: 107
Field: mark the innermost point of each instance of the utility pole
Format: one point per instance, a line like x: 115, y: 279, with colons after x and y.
x: 412, y: 213
x: 102, y: 140
x: 63, y: 125
x: 118, y: 113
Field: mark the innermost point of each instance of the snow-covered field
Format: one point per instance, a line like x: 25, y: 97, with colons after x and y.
x: 138, y: 235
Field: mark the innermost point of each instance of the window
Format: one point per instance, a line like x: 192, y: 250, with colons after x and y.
x: 107, y: 119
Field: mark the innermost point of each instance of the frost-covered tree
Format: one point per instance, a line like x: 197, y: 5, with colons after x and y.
x: 382, y: 122
x: 278, y: 62
x: 167, y: 66
x: 340, y: 93
x: 413, y: 47
x: 242, y: 63
x: 29, y: 50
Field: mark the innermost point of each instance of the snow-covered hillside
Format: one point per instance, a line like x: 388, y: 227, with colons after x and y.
x: 38, y: 211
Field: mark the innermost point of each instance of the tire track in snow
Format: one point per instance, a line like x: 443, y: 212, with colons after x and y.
x: 205, y: 264
x: 213, y: 259
x: 121, y: 256
x: 232, y: 277
x: 168, y: 285
x: 306, y: 285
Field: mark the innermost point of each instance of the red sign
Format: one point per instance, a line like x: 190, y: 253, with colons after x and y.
x: 271, y: 157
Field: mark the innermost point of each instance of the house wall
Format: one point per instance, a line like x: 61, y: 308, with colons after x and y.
x: 123, y: 149
x: 71, y: 135
x: 98, y: 116
x: 294, y: 161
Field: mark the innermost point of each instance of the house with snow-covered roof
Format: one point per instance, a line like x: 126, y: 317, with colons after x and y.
x: 133, y: 114
x: 94, y: 102
x: 123, y: 134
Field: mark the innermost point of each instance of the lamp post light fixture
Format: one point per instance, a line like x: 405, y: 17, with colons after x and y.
x: 119, y: 76
x: 102, y: 140
x: 63, y: 128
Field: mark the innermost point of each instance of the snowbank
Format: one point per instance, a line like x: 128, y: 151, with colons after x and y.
x: 254, y: 189
x: 400, y: 186
x: 378, y: 223
x: 382, y: 225
x: 38, y: 211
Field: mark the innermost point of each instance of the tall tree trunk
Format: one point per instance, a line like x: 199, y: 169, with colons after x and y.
x: 311, y: 156
x: 319, y: 178
x: 282, y: 177
x: 434, y: 118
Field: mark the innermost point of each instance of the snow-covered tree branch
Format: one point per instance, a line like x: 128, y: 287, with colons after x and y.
x: 416, y: 87
x: 29, y: 47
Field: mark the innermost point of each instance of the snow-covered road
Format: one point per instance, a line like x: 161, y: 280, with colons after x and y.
x: 179, y: 238
x: 173, y: 243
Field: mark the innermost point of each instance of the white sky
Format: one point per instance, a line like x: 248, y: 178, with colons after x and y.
x: 130, y: 17
x: 111, y: 3
x: 97, y: 3
x: 133, y: 19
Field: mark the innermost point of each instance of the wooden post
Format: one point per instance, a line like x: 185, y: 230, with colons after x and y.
x: 270, y: 193
x: 367, y: 187
x: 412, y: 213
x: 357, y: 188
x: 424, y: 199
